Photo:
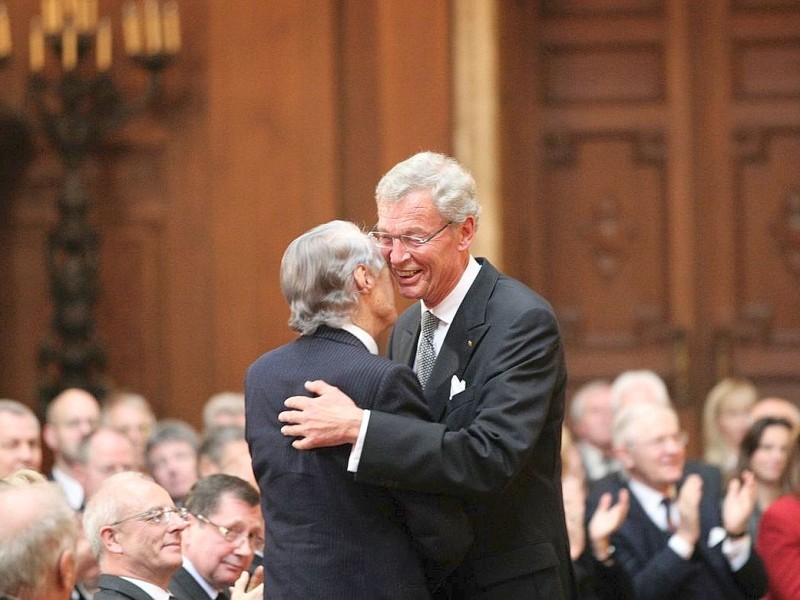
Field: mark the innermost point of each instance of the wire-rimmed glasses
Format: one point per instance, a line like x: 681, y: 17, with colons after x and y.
x: 410, y: 242
x: 156, y: 516
x: 233, y: 536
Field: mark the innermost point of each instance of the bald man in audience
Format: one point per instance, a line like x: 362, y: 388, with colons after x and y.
x: 70, y: 417
x: 37, y: 542
x: 776, y: 407
x: 103, y: 453
x: 132, y: 415
x: 20, y: 441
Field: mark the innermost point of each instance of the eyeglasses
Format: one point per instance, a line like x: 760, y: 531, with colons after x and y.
x: 234, y: 536
x: 386, y: 240
x: 156, y: 516
x: 680, y: 439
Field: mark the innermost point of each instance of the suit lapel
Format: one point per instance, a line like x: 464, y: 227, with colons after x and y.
x: 184, y: 586
x: 117, y: 584
x: 463, y: 337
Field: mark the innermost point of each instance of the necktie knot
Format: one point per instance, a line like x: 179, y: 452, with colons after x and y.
x: 426, y: 351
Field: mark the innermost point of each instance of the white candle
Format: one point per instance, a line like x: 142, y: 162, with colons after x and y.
x: 5, y: 32
x: 36, y: 45
x: 152, y: 24
x: 132, y: 29
x: 69, y: 47
x: 103, y: 48
x: 172, y: 28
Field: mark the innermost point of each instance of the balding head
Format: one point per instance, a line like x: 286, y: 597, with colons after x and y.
x: 71, y: 416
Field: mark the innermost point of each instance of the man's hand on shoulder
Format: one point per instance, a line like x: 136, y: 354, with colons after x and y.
x: 330, y: 419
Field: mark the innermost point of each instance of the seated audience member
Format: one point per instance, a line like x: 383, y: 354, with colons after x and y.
x: 224, y: 450
x: 778, y: 539
x: 597, y: 575
x: 222, y: 409
x: 225, y: 528
x: 134, y: 530
x: 726, y: 419
x: 101, y: 454
x: 327, y: 535
x: 70, y: 417
x: 37, y: 542
x: 171, y: 455
x: 765, y: 453
x: 777, y: 407
x: 132, y: 415
x: 677, y: 542
x: 20, y: 445
x: 590, y: 421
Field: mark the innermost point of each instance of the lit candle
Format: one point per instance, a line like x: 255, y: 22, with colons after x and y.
x: 172, y: 28
x: 132, y: 29
x: 69, y: 47
x: 87, y: 16
x: 152, y: 20
x: 36, y: 45
x: 5, y: 32
x: 104, y: 45
x: 52, y: 15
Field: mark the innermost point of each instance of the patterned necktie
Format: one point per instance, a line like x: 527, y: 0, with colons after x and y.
x: 426, y: 353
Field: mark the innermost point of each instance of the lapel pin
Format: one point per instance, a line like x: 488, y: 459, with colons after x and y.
x: 469, y: 343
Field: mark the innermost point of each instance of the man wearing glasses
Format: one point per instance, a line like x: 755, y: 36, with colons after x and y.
x: 225, y: 529
x: 488, y: 353
x: 134, y: 530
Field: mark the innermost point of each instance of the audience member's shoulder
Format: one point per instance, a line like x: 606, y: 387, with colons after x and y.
x: 613, y: 482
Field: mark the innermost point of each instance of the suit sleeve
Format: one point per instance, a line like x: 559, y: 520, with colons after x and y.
x: 495, y: 423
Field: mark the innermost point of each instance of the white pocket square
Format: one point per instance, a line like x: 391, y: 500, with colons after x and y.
x: 457, y: 386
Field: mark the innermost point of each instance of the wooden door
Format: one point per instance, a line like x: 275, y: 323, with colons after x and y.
x: 651, y: 169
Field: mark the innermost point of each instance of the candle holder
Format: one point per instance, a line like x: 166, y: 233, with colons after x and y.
x: 76, y: 105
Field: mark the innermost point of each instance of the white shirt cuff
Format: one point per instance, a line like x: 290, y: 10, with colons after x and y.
x: 681, y: 547
x: 737, y: 551
x: 355, y: 453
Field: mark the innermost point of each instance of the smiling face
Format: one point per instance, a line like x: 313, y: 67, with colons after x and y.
x: 219, y: 561
x: 768, y: 462
x: 431, y: 271
x: 656, y: 451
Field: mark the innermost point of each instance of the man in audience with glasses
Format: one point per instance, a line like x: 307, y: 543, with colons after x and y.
x: 134, y: 529
x: 676, y: 542
x: 225, y: 529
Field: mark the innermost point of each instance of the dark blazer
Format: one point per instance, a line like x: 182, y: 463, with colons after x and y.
x: 116, y: 588
x: 497, y: 442
x: 659, y: 573
x: 326, y: 535
x: 185, y: 587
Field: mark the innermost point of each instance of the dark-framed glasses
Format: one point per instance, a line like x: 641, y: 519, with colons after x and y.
x: 233, y: 536
x: 386, y: 240
x: 156, y: 516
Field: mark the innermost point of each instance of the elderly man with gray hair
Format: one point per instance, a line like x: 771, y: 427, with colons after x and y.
x: 328, y: 536
x: 37, y: 542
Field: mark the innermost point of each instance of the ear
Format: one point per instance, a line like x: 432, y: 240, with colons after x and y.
x: 625, y: 457
x: 67, y: 574
x: 364, y: 280
x: 49, y: 436
x: 108, y: 535
x: 466, y: 231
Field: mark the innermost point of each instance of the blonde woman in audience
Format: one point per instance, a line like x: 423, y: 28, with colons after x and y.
x: 726, y: 419
x: 765, y: 452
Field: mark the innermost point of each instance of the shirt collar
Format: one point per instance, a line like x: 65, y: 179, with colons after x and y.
x: 363, y: 336
x: 651, y: 500
x: 446, y: 310
x: 187, y: 564
x: 151, y: 589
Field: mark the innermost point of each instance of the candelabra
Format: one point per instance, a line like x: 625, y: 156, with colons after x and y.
x: 75, y: 106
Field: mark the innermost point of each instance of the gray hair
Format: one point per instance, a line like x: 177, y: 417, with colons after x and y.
x: 576, y: 407
x: 18, y: 408
x: 222, y: 403
x: 217, y: 439
x: 451, y: 186
x: 317, y: 274
x: 41, y: 529
x: 172, y: 430
x: 108, y: 505
x: 628, y: 421
x: 122, y: 398
x: 647, y: 383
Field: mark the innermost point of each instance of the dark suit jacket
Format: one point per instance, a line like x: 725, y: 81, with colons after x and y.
x: 116, y: 588
x: 659, y: 573
x: 497, y: 442
x: 185, y: 587
x: 326, y: 535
